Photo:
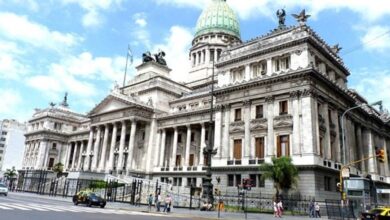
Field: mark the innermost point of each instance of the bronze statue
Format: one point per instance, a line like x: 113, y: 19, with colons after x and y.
x: 147, y: 57
x: 281, y: 13
x: 301, y: 17
x: 160, y: 58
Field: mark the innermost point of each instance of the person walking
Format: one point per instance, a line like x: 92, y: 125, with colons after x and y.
x: 150, y: 202
x: 166, y: 204
x: 280, y: 208
x: 158, y: 202
x: 311, y: 209
x: 317, y: 208
x: 275, y: 208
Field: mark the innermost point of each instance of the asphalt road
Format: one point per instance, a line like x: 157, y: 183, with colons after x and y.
x: 14, y: 207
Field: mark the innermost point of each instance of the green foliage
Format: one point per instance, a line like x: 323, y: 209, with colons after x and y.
x: 101, y: 184
x: 11, y: 173
x: 58, y: 168
x: 282, y: 172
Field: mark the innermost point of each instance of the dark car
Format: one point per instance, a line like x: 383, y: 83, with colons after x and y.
x: 89, y: 198
x: 377, y: 214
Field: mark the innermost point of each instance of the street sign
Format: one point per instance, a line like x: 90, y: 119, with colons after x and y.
x: 345, y: 172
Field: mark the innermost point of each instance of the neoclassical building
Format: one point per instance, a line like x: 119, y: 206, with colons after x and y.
x: 280, y: 94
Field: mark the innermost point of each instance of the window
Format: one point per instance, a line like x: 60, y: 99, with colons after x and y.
x: 74, y: 128
x: 143, y: 135
x: 253, y: 178
x: 282, y: 63
x: 57, y: 126
x: 283, y: 108
x: 4, y: 133
x: 321, y: 146
x: 179, y: 138
x: 51, y: 163
x: 259, y: 150
x: 54, y: 146
x: 1, y: 151
x: 2, y: 139
x: 192, y: 136
x: 237, y: 75
x: 230, y: 180
x: 259, y: 69
x: 1, y: 145
x: 330, y: 116
x: 237, y: 114
x: 238, y: 179
x: 191, y: 162
x: 206, y: 135
x: 164, y: 179
x: 191, y: 181
x: 212, y: 55
x: 177, y: 181
x: 259, y: 111
x: 178, y: 160
x: 237, y: 154
x: 283, y: 146
x: 219, y: 51
x: 327, y: 185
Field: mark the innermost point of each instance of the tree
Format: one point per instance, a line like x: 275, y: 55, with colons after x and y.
x: 282, y: 172
x: 58, y: 168
x: 11, y: 174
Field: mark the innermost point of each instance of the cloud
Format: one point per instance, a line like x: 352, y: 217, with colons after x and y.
x: 93, y: 17
x: 176, y: 46
x: 140, y: 19
x: 376, y: 38
x: 266, y: 8
x: 11, y: 65
x: 31, y: 5
x: 19, y: 28
x: 373, y: 88
x: 13, y: 105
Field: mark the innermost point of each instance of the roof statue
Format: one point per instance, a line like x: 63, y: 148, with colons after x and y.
x: 52, y: 104
x: 160, y: 57
x: 301, y: 17
x: 336, y: 48
x: 281, y: 13
x: 65, y: 101
x: 147, y: 57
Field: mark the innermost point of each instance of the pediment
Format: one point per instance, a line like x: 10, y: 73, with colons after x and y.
x: 110, y: 104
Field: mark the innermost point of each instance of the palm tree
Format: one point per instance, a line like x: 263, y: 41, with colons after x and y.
x: 10, y: 174
x: 58, y: 168
x: 282, y: 172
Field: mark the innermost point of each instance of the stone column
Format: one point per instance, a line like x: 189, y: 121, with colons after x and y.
x: 371, y: 151
x: 112, y: 148
x: 327, y: 141
x: 247, y: 72
x: 96, y: 149
x: 130, y: 159
x: 157, y: 150
x: 217, y: 130
x: 162, y: 153
x: 68, y: 153
x: 360, y: 147
x: 103, y: 155
x: 89, y: 147
x: 270, y: 119
x: 337, y: 144
x: 152, y: 146
x: 247, y: 121
x: 121, y: 146
x: 225, y: 145
x: 73, y: 165
x: 80, y: 155
x: 296, y: 111
x: 174, y: 148
x: 202, y: 144
x: 309, y: 123
x: 269, y: 66
x: 208, y: 55
x: 188, y: 146
x: 45, y: 146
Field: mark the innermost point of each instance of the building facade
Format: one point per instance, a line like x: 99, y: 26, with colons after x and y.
x: 12, y: 141
x: 281, y: 94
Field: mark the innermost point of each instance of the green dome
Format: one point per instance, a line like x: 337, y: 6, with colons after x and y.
x: 218, y: 17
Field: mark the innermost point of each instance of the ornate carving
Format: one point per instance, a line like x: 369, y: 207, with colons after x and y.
x: 309, y: 93
x: 269, y: 99
x: 283, y: 121
x: 258, y: 124
x: 246, y: 103
x: 298, y: 52
x: 301, y: 17
x: 237, y: 126
x: 218, y: 107
x: 226, y: 107
x: 295, y: 94
x: 147, y: 57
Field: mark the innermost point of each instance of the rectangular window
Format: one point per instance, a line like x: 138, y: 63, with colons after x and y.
x: 283, y: 107
x: 321, y: 146
x: 51, y: 163
x: 282, y: 63
x: 192, y: 136
x: 261, y: 182
x: 230, y: 180
x: 259, y: 69
x: 2, y: 139
x: 283, y: 145
x: 1, y: 151
x: 259, y: 151
x: 206, y: 135
x: 175, y: 182
x: 4, y: 133
x: 238, y: 179
x: 237, y: 114
x: 178, y: 160
x: 179, y: 138
x: 1, y: 145
x: 237, y: 154
x: 253, y: 178
x: 259, y: 111
x: 327, y: 185
x: 54, y: 146
x: 330, y: 116
x: 212, y: 55
x: 191, y: 162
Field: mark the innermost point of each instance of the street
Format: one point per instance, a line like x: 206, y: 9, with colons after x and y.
x: 17, y: 207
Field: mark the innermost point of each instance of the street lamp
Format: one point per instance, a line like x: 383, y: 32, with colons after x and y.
x: 342, y: 124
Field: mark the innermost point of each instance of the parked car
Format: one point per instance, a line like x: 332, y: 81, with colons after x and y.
x: 89, y: 198
x: 3, y: 189
x: 377, y: 214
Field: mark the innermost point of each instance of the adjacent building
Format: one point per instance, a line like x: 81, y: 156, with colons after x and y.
x: 12, y: 142
x: 280, y: 94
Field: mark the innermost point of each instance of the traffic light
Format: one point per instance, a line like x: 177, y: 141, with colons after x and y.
x: 380, y: 153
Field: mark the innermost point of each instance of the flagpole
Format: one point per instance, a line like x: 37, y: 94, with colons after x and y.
x: 127, y: 59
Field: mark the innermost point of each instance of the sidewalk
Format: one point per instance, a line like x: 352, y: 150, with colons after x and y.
x: 176, y: 212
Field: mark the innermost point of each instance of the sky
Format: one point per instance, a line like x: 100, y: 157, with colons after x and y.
x: 49, y: 47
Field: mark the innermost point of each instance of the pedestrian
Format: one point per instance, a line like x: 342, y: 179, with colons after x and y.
x: 169, y: 208
x: 275, y: 208
x: 311, y: 209
x: 166, y: 204
x: 150, y: 202
x: 280, y: 208
x: 158, y: 202
x: 317, y: 208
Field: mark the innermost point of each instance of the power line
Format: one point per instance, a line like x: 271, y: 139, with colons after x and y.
x: 365, y: 43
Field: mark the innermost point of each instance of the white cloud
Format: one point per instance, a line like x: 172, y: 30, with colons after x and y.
x: 140, y: 19
x: 11, y: 67
x: 176, y: 47
x: 93, y: 9
x: 12, y: 105
x: 19, y: 28
x: 373, y: 85
x: 31, y: 5
x: 253, y: 8
x: 377, y: 38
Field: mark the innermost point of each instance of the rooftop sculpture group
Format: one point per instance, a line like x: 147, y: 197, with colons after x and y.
x: 158, y: 57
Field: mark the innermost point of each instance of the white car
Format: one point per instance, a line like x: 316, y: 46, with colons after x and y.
x: 3, y: 189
